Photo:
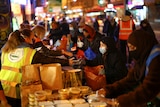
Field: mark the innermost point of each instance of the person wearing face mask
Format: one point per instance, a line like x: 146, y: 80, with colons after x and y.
x: 91, y: 46
x: 80, y: 35
x: 73, y: 27
x: 17, y: 53
x: 114, y: 63
x: 141, y: 86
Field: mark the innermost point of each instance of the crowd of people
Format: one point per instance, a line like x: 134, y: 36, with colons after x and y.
x: 119, y: 45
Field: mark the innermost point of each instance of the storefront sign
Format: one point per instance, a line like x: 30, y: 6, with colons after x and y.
x: 19, y: 1
x: 137, y: 2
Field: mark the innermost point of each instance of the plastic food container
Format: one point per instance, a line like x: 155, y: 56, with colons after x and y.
x: 75, y: 92
x: 63, y: 94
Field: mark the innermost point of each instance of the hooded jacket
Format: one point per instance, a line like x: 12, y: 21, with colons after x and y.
x: 114, y: 63
x: 93, y: 42
x: 136, y: 89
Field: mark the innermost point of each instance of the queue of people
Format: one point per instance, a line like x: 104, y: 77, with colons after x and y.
x: 140, y: 88
x: 133, y: 87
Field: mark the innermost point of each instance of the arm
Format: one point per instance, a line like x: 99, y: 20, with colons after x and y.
x: 147, y: 90
x: 43, y: 59
x: 115, y: 68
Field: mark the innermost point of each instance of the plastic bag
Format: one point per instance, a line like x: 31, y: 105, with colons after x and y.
x: 89, y: 54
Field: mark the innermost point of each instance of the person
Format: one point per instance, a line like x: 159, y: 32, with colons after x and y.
x: 91, y: 46
x: 39, y: 44
x: 114, y: 64
x: 39, y: 31
x: 145, y: 25
x: 73, y: 27
x: 126, y: 26
x: 106, y: 25
x: 96, y: 24
x: 64, y: 26
x: 113, y: 30
x: 55, y: 33
x: 139, y: 88
x: 17, y: 53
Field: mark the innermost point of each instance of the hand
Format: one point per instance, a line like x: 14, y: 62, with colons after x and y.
x: 67, y: 53
x: 71, y: 62
x: 101, y: 92
x: 110, y: 102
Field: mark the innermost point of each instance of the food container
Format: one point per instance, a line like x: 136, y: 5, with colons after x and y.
x: 92, y: 98
x: 63, y: 94
x: 74, y: 92
x: 48, y: 92
x: 98, y: 104
x: 40, y: 95
x: 63, y: 105
x: 45, y: 104
x: 61, y: 102
x: 77, y: 101
x: 82, y: 105
x: 84, y: 90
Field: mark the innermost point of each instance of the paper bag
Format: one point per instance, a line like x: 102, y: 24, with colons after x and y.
x: 30, y: 73
x: 94, y: 79
x: 51, y: 76
x: 26, y: 90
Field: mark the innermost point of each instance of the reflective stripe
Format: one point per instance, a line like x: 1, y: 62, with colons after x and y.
x: 125, y: 29
x: 124, y: 33
x: 13, y: 84
x: 27, y: 60
x: 122, y: 27
x: 10, y: 68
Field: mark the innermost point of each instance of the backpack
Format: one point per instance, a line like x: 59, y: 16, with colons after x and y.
x: 154, y: 52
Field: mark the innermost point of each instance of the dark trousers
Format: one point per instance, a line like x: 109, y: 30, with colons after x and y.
x: 14, y: 102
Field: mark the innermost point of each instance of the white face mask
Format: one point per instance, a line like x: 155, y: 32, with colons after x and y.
x: 71, y: 28
x: 80, y: 44
x: 103, y: 50
x: 80, y: 30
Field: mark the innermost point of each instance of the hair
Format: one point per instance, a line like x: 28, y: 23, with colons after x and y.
x: 24, y: 26
x: 14, y: 40
x: 39, y: 31
x: 26, y: 33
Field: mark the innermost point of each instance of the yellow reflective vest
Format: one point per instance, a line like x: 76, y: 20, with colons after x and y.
x: 10, y: 74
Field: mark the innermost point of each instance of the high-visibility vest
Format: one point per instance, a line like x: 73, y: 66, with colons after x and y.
x: 126, y: 27
x: 10, y: 74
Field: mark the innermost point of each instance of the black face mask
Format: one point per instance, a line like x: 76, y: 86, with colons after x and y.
x: 133, y: 54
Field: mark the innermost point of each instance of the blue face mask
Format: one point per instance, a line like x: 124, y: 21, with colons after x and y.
x: 103, y: 50
x: 80, y: 30
x: 71, y: 28
x: 80, y: 44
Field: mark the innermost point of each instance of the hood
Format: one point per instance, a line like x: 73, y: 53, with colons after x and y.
x: 109, y: 41
x: 90, y: 30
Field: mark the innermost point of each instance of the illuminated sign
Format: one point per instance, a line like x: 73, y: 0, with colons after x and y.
x: 137, y: 2
x: 19, y: 1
